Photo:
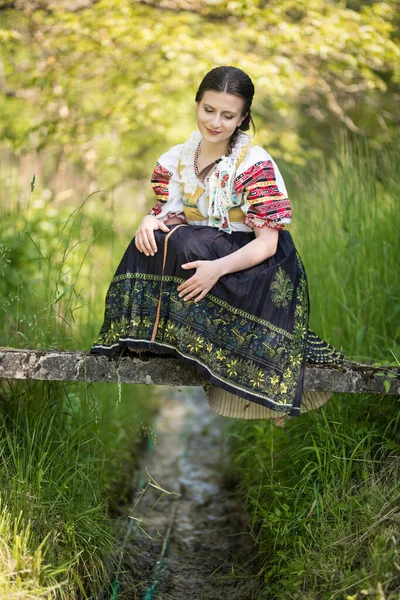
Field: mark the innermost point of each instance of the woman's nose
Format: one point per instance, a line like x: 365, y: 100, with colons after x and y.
x: 216, y: 120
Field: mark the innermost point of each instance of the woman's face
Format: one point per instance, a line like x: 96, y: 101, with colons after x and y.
x: 218, y: 115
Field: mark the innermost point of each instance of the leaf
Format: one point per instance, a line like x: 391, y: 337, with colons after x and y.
x: 387, y: 385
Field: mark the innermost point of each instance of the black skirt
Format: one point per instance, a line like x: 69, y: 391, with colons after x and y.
x: 248, y: 336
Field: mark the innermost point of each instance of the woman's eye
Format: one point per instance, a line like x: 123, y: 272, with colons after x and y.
x: 208, y: 109
x: 228, y: 117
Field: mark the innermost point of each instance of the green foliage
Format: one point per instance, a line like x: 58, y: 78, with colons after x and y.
x: 53, y: 281
x: 67, y: 451
x: 64, y: 451
x: 325, y: 491
x: 346, y: 225
x: 111, y: 85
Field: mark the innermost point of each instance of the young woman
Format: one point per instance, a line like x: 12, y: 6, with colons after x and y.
x: 211, y: 276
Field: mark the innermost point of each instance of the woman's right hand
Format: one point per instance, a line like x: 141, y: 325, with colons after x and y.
x: 144, y: 237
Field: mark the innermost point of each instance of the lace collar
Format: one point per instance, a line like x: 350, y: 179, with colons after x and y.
x: 188, y: 175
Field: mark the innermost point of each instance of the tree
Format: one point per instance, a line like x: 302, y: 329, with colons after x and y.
x: 109, y: 82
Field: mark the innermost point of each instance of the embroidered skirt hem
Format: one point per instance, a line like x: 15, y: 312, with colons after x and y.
x: 248, y: 336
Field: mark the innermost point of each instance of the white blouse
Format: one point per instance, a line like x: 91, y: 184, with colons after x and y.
x: 255, y: 185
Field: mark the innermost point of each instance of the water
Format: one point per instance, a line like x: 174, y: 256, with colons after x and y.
x: 193, y: 542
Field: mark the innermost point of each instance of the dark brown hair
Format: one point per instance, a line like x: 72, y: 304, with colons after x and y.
x: 230, y: 80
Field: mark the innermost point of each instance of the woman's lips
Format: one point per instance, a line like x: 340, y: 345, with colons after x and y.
x: 210, y: 131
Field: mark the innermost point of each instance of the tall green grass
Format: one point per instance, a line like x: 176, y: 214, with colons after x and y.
x: 346, y: 226
x: 325, y: 496
x: 324, y: 491
x: 67, y: 453
x: 66, y: 450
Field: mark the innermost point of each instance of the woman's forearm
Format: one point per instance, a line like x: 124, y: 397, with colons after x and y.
x: 254, y: 253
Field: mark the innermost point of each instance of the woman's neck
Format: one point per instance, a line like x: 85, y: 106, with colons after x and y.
x: 210, y: 152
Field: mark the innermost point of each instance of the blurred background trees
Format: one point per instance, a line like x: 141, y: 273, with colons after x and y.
x: 107, y: 85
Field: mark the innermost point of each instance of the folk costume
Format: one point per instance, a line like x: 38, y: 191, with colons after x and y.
x: 249, y: 336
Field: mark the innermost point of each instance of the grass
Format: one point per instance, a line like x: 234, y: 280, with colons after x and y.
x: 22, y: 569
x: 346, y: 228
x: 67, y: 451
x: 324, y: 491
x: 325, y: 496
x: 65, y: 469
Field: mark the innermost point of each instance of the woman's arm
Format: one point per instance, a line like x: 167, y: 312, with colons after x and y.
x: 209, y: 271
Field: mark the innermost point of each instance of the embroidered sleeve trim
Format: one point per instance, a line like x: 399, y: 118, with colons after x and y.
x: 253, y: 222
x: 160, y: 182
x: 268, y: 205
x: 157, y: 208
x: 180, y: 216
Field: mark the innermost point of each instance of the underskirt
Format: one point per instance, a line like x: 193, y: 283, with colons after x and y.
x: 249, y: 336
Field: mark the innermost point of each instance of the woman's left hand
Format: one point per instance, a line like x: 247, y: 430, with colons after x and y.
x: 207, y: 275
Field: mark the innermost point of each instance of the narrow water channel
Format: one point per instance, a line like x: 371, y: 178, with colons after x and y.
x: 191, y: 541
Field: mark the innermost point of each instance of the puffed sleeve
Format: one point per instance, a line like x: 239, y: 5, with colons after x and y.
x: 167, y: 187
x: 265, y: 200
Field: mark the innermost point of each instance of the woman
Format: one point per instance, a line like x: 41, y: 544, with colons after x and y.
x: 211, y: 276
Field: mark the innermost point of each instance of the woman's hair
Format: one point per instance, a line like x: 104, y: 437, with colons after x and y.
x: 230, y: 80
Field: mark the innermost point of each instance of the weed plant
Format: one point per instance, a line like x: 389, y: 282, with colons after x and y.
x: 324, y: 491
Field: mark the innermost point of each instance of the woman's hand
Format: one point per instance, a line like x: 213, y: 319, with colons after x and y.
x: 144, y: 237
x: 207, y: 274
x: 209, y: 271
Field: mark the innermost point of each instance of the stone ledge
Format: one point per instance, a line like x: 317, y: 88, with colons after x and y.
x: 55, y: 365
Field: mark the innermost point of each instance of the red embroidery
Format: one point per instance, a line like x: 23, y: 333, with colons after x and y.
x: 157, y: 208
x: 267, y: 201
x: 180, y: 216
x: 249, y: 220
x: 224, y: 180
x: 160, y: 181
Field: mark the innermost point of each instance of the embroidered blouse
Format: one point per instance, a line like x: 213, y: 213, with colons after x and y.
x: 243, y: 190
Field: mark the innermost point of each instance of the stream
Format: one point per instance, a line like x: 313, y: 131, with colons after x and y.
x: 185, y: 534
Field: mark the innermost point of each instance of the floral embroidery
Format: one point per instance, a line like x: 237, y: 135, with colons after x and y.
x: 281, y: 289
x: 221, y: 189
x: 224, y: 180
x: 237, y: 348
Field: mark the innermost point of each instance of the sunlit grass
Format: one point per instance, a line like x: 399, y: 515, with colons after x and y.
x: 324, y: 491
x: 67, y: 450
x: 23, y: 571
x: 346, y: 224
